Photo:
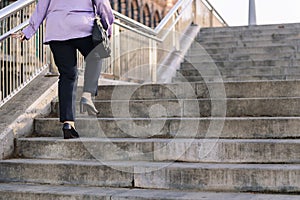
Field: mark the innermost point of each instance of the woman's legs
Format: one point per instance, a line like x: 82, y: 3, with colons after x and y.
x: 91, y: 74
x: 64, y: 53
x: 65, y: 58
x: 93, y: 65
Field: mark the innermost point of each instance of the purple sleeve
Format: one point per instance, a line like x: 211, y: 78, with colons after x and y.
x: 104, y: 10
x: 36, y: 18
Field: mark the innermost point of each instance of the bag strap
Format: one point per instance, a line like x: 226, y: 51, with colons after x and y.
x: 96, y: 15
x: 94, y: 9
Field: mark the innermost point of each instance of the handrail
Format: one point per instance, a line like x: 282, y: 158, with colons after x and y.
x: 169, y: 15
x: 15, y: 29
x: 159, y: 27
x: 134, y: 23
x: 14, y: 7
x: 213, y: 9
x: 153, y: 37
x: 142, y: 29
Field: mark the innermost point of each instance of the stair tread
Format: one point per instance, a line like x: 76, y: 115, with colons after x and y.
x: 180, y: 118
x: 123, y: 193
x: 147, y: 164
x: 83, y: 139
x: 163, y: 149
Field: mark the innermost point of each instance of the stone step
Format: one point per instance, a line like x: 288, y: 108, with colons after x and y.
x: 242, y: 64
x: 283, y: 178
x: 185, y: 150
x: 244, y: 43
x: 227, y: 57
x: 248, y: 43
x: 249, y: 36
x: 242, y: 89
x: 233, y: 78
x: 19, y: 191
x: 231, y: 107
x: 293, y: 27
x: 63, y: 172
x: 235, y: 127
x: 198, y: 50
x: 238, y: 71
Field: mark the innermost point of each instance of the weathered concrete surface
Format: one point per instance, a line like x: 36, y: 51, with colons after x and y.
x: 86, y: 148
x: 244, y: 54
x: 236, y: 127
x: 45, y: 192
x: 234, y: 154
x: 242, y: 89
x: 156, y: 175
x: 233, y: 107
x: 18, y: 114
x: 60, y: 172
x: 187, y: 150
x: 219, y: 177
x: 290, y: 27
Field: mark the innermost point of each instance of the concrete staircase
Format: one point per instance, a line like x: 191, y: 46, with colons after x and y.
x: 232, y: 140
x: 257, y: 53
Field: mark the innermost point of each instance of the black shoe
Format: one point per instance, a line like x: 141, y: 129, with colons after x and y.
x: 88, y: 105
x: 69, y: 132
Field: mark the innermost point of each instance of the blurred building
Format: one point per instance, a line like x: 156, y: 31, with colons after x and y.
x: 148, y: 12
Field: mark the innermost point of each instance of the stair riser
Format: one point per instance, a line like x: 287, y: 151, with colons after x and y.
x: 191, y: 57
x: 267, y: 37
x: 248, y: 43
x: 217, y: 151
x: 200, y: 90
x: 242, y: 64
x: 288, y: 26
x: 224, y: 78
x: 218, y: 128
x: 198, y: 49
x: 249, y: 31
x: 221, y: 179
x: 5, y: 195
x: 86, y: 150
x: 195, y: 108
x: 61, y: 173
x: 241, y: 71
x: 39, y: 192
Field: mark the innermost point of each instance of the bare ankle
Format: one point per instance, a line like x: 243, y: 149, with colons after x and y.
x: 87, y: 95
x: 71, y: 123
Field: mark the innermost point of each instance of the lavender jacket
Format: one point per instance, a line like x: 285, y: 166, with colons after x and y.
x: 68, y: 19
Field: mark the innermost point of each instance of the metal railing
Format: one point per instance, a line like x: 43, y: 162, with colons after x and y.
x: 139, y: 60
x: 19, y: 62
x: 137, y: 49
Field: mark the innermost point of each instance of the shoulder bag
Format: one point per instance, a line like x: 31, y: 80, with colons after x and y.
x: 100, y: 37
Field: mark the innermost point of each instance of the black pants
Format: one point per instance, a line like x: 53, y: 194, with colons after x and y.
x: 65, y: 57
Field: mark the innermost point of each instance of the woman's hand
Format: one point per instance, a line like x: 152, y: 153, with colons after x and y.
x: 19, y: 35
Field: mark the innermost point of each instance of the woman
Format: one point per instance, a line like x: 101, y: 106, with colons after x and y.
x: 69, y: 28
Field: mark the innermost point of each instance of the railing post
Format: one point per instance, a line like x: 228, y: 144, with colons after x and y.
x: 53, y: 71
x: 116, y: 56
x: 176, y: 43
x: 211, y: 17
x: 153, y: 60
x: 252, y: 13
x: 196, y: 9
